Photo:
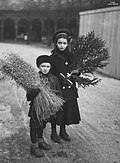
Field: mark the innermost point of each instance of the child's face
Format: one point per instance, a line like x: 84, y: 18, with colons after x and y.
x: 45, y: 67
x: 62, y: 44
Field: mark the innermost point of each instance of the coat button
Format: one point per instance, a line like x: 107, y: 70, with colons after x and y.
x: 66, y: 63
x: 63, y: 87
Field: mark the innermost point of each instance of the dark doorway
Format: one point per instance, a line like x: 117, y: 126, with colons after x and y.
x: 36, y: 34
x: 23, y: 27
x: 9, y: 29
x: 49, y: 27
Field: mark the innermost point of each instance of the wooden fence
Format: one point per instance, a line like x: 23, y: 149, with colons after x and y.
x: 106, y: 23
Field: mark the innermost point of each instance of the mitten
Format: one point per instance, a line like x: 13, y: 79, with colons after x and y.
x: 31, y: 94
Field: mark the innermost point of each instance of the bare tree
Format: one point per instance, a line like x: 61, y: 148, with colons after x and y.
x: 4, y: 4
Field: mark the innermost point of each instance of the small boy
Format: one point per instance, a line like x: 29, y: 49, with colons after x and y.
x: 38, y: 144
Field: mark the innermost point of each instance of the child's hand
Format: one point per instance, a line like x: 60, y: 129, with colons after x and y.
x: 75, y: 72
x: 68, y: 75
x: 32, y: 94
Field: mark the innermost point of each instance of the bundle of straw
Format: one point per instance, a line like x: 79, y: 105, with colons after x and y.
x: 46, y: 102
x: 90, y: 53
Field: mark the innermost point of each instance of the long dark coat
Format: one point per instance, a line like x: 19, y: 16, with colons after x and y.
x: 54, y: 85
x: 62, y: 62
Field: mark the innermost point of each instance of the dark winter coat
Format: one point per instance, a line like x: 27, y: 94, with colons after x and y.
x: 54, y: 85
x: 62, y: 62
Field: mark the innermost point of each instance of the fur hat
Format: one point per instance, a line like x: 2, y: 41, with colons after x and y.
x: 42, y: 59
x: 62, y: 32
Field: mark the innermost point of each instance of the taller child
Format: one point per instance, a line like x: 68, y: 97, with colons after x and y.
x: 62, y: 60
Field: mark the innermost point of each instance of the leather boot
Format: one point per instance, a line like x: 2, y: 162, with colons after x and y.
x: 35, y: 150
x: 63, y: 134
x: 43, y: 145
x: 54, y: 135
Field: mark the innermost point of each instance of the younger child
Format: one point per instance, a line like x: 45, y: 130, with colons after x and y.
x: 38, y: 143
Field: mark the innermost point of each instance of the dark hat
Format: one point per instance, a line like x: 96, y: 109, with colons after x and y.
x: 42, y: 59
x: 62, y: 32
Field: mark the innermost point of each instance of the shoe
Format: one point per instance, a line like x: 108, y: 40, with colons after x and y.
x: 55, y: 138
x: 44, y: 145
x: 36, y: 151
x: 63, y: 134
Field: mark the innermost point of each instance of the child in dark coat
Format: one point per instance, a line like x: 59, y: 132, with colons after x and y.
x: 44, y: 64
x: 62, y: 61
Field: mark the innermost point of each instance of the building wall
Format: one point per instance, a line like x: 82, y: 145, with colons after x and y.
x: 48, y: 23
x: 106, y: 23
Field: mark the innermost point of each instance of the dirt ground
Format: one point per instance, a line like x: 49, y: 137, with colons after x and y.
x: 95, y: 140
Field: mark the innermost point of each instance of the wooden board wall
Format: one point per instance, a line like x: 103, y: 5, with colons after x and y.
x: 106, y: 23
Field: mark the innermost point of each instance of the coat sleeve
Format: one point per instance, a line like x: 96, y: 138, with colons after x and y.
x: 32, y: 94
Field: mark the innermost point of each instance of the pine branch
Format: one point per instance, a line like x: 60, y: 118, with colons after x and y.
x: 90, y: 53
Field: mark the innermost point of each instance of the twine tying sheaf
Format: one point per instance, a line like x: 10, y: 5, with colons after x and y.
x: 46, y: 103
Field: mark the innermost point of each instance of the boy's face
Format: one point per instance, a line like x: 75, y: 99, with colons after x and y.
x: 62, y: 44
x: 45, y: 67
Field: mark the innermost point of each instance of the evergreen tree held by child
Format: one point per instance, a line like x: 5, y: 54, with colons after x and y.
x: 87, y: 54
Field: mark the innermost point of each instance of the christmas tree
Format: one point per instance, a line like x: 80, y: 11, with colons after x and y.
x: 90, y: 53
